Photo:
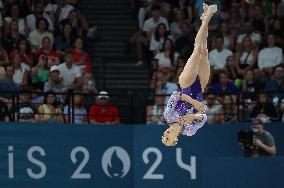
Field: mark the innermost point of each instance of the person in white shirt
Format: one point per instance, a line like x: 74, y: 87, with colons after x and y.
x: 213, y: 107
x: 22, y: 70
x: 36, y: 36
x: 271, y: 56
x: 70, y: 73
x: 219, y: 55
x: 63, y: 10
x: 248, y: 31
x: 31, y: 19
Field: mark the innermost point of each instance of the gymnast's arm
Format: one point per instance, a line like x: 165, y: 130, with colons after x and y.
x: 196, y: 104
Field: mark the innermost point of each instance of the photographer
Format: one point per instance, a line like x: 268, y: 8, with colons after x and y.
x: 257, y: 143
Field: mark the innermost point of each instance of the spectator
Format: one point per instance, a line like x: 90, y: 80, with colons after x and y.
x: 276, y: 86
x: 37, y: 14
x: 7, y: 85
x: 263, y: 140
x: 65, y: 40
x: 40, y: 32
x: 25, y: 112
x: 12, y: 37
x: 51, y: 56
x: 175, y: 26
x: 89, y: 90
x: 23, y: 49
x: 155, y: 113
x: 247, y: 56
x: 14, y: 15
x: 103, y: 112
x: 81, y: 57
x: 270, y: 57
x: 259, y: 22
x: 251, y: 86
x: 167, y: 59
x: 50, y: 111
x: 39, y: 73
x: 78, y: 22
x: 158, y: 38
x: 228, y: 36
x: 224, y: 85
x: 231, y: 68
x: 161, y: 84
x: 228, y: 112
x: 264, y: 109
x: 218, y: 56
x: 21, y: 70
x: 277, y: 30
x: 55, y: 83
x: 4, y: 59
x: 63, y: 10
x: 184, y: 44
x: 186, y: 7
x: 80, y: 113
x: 50, y: 8
x: 248, y: 31
x: 71, y: 74
x: 213, y: 107
x: 280, y: 9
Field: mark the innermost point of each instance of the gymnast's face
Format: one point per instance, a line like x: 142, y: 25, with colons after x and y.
x: 170, y: 138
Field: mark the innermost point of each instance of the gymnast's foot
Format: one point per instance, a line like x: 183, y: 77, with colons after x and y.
x: 208, y: 12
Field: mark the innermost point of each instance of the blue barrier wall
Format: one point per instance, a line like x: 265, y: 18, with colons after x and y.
x: 49, y: 155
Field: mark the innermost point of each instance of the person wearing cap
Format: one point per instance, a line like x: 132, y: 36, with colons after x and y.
x: 263, y: 139
x: 103, y: 112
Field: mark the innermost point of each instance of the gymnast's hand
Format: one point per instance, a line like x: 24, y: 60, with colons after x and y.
x: 199, y: 106
x: 187, y: 119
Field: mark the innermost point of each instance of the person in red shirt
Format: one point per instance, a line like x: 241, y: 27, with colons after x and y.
x: 103, y: 112
x: 81, y: 57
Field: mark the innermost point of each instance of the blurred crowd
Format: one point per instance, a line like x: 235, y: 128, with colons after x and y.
x: 245, y: 43
x: 43, y: 57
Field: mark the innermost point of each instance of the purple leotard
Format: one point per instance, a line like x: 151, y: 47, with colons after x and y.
x: 176, y: 108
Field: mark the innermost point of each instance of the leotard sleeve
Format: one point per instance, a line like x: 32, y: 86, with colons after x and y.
x: 170, y: 114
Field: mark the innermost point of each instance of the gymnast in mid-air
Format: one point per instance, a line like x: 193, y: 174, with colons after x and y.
x: 185, y: 112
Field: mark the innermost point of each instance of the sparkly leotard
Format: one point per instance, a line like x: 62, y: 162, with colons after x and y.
x: 177, y: 108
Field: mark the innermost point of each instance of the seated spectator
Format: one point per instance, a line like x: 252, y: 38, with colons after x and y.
x: 14, y: 14
x: 224, y: 85
x: 228, y: 111
x: 213, y: 107
x: 264, y: 109
x: 231, y: 68
x: 39, y: 33
x: 4, y: 58
x: 50, y: 111
x: 276, y: 86
x: 167, y: 59
x: 55, y: 83
x: 80, y: 113
x: 249, y: 31
x: 7, y: 85
x: 251, y: 86
x: 12, y: 38
x: 259, y: 21
x: 63, y: 10
x: 25, y: 112
x: 161, y: 84
x: 89, y: 90
x: 78, y: 22
x: 158, y: 38
x: 229, y: 37
x: 186, y: 7
x: 70, y: 73
x: 246, y: 57
x: 219, y: 55
x: 46, y: 50
x: 280, y: 9
x: 184, y: 44
x: 39, y: 73
x: 23, y: 49
x: 81, y: 57
x: 103, y: 112
x: 175, y: 26
x: 277, y: 30
x: 50, y: 8
x: 270, y: 57
x: 37, y: 14
x: 155, y: 113
x: 65, y: 40
x: 21, y: 70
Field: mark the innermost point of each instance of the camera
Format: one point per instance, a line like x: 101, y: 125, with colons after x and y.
x: 246, y: 140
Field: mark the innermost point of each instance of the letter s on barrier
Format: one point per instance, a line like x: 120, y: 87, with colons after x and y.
x: 36, y: 162
x: 149, y: 174
x: 78, y: 172
x: 190, y: 168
